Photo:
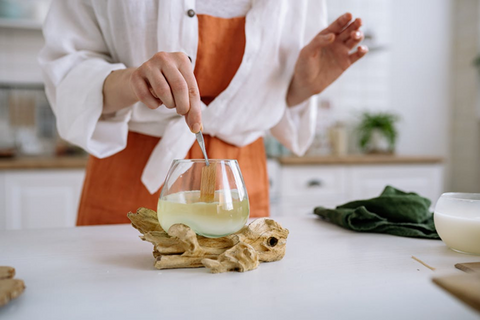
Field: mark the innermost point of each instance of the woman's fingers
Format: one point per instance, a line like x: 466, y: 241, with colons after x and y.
x: 338, y: 25
x: 168, y: 78
x: 354, y: 26
x: 185, y: 91
x: 355, y: 38
x: 160, y: 88
x: 142, y: 91
x: 194, y: 115
x: 179, y: 88
x: 361, y: 51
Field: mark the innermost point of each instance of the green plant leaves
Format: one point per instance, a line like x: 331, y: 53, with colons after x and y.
x: 384, y: 122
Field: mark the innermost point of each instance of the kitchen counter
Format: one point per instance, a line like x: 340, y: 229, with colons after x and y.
x: 106, y: 272
x: 17, y: 163
x: 359, y: 160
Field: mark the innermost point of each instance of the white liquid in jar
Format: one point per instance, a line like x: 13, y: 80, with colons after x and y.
x: 460, y: 233
x: 224, y: 216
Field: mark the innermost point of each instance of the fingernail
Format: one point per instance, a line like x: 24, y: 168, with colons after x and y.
x: 358, y: 35
x: 196, y: 128
x: 364, y: 48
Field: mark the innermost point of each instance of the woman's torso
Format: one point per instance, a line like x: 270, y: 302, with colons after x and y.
x: 255, y: 99
x: 110, y: 189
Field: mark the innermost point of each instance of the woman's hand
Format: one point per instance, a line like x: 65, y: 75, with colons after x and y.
x: 167, y: 78
x: 325, y: 58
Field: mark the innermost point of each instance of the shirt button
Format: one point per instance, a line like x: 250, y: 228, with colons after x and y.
x: 191, y: 13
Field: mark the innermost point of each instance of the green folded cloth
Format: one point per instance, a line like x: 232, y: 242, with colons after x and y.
x: 393, y: 212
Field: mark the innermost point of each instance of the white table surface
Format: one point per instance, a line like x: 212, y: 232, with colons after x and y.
x: 106, y: 272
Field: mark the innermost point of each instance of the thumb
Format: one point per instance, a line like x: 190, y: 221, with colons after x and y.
x: 194, y: 120
x: 322, y: 40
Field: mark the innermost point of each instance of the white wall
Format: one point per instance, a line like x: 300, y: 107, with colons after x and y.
x: 410, y: 77
x: 366, y: 85
x: 421, y: 50
x: 465, y: 144
x: 18, y: 55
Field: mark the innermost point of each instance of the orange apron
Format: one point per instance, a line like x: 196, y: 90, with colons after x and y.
x: 112, y: 186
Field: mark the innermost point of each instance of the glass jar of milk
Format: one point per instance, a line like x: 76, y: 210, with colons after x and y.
x: 457, y: 220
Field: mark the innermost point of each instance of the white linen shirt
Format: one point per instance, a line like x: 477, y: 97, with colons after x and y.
x: 88, y: 39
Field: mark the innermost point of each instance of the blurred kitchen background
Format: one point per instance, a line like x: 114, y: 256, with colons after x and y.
x: 420, y: 81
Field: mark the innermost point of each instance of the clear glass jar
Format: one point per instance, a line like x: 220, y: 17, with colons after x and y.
x: 180, y: 200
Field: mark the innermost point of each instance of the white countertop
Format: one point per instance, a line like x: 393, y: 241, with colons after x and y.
x: 106, y: 272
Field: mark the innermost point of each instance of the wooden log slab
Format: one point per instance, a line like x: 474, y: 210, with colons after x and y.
x: 9, y: 288
x: 263, y: 240
x: 6, y: 272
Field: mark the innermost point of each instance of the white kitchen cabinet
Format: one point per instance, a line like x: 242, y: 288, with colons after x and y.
x: 3, y: 209
x: 304, y: 187
x: 49, y: 198
x: 368, y: 181
x: 273, y: 169
x: 308, y: 186
x: 40, y: 198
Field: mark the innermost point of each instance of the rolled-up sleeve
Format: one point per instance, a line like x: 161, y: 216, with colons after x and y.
x: 296, y: 129
x: 75, y: 62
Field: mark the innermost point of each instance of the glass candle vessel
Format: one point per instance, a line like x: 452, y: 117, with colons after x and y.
x: 457, y: 220
x: 181, y: 201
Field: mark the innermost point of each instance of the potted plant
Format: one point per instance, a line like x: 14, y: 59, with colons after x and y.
x: 476, y: 62
x: 377, y: 132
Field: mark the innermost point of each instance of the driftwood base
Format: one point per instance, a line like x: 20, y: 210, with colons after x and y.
x: 9, y: 288
x: 261, y: 241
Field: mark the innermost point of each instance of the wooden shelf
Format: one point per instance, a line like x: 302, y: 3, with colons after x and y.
x: 359, y: 159
x: 22, y: 85
x: 27, y: 24
x: 73, y: 162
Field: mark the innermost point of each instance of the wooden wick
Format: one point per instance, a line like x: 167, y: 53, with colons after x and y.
x: 208, y: 183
